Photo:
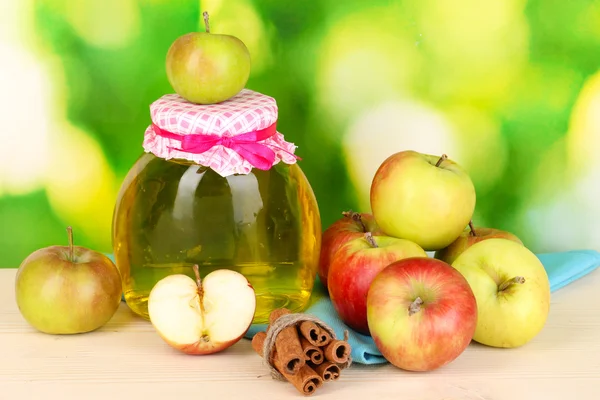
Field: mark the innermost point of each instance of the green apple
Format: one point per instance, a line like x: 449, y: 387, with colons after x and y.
x: 512, y: 291
x: 207, y: 68
x: 423, y: 198
x: 469, y: 237
x: 67, y: 289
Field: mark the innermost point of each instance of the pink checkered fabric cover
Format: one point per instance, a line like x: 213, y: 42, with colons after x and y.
x: 247, y: 111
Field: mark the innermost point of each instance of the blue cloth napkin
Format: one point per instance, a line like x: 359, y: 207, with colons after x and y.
x: 566, y: 267
x: 562, y: 268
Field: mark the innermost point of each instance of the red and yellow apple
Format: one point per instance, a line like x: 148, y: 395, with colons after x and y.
x: 423, y: 198
x: 203, y: 316
x: 512, y: 290
x: 351, y: 225
x: 353, y: 268
x: 422, y: 313
x: 67, y: 289
x: 469, y: 237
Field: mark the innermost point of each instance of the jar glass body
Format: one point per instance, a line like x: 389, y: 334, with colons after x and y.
x: 173, y: 214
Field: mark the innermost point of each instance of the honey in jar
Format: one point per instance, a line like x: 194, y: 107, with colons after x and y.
x: 219, y: 187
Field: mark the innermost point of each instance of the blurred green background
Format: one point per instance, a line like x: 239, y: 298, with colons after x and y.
x: 508, y: 88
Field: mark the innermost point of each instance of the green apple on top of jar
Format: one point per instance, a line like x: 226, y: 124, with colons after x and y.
x: 218, y: 187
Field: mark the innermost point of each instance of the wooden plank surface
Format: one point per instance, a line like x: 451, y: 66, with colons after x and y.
x: 127, y: 360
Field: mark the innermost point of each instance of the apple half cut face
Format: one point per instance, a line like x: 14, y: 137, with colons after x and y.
x: 203, y: 316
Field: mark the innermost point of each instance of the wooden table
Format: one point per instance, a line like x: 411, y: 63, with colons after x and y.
x: 127, y: 360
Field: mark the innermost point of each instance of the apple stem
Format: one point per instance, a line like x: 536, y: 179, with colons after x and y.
x: 356, y: 217
x: 507, y: 283
x: 371, y: 239
x: 442, y: 158
x: 70, y: 235
x: 198, y: 278
x: 415, y: 306
x: 206, y: 25
x: 473, y: 233
x: 199, y: 284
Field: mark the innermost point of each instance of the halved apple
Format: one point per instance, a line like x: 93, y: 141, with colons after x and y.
x: 205, y: 316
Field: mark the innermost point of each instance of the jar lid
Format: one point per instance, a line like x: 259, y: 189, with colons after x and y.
x: 231, y: 137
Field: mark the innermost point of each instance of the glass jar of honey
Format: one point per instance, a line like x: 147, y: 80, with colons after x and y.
x: 219, y: 187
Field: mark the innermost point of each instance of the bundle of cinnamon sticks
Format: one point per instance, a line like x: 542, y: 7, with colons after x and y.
x: 303, y: 352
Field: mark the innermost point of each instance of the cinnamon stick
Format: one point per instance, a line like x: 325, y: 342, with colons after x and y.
x: 258, y: 342
x: 337, y: 351
x: 287, y: 343
x: 328, y: 371
x: 312, y: 353
x: 315, y: 335
x: 306, y: 380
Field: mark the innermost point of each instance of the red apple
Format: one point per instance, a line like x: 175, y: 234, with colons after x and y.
x: 469, y: 237
x: 352, y: 225
x: 353, y: 268
x: 422, y: 313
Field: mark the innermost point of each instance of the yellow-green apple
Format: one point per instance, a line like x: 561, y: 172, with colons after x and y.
x: 206, y: 67
x: 353, y: 268
x: 204, y: 316
x: 469, y: 237
x: 512, y: 291
x: 422, y: 313
x: 423, y: 198
x: 67, y: 289
x: 350, y: 226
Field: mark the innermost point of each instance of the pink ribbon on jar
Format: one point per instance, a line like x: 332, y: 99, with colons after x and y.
x: 247, y: 145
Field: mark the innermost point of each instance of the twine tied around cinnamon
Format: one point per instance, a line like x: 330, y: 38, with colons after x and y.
x: 282, y: 323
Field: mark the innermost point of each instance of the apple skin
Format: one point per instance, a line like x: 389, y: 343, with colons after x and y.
x: 413, y: 199
x: 511, y: 317
x: 354, y: 267
x: 200, y: 318
x: 351, y: 225
x: 58, y: 296
x: 467, y: 239
x: 207, y: 68
x: 436, y: 334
